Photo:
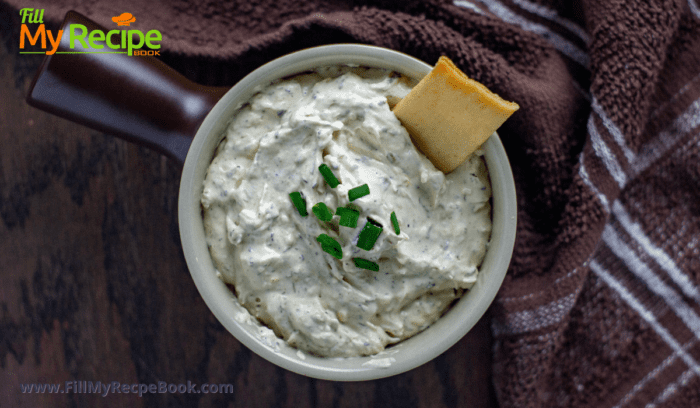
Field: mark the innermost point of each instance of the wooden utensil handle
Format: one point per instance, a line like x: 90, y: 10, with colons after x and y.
x: 137, y: 98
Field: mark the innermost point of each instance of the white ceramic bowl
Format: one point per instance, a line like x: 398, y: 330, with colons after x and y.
x: 401, y: 357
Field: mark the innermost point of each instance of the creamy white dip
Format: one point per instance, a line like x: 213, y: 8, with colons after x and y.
x: 269, y: 253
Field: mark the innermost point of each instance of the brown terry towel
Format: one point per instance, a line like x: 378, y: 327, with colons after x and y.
x: 601, y: 304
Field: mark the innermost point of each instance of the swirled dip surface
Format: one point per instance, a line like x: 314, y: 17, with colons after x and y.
x: 269, y: 253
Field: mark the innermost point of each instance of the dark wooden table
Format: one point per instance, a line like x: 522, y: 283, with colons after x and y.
x: 94, y: 285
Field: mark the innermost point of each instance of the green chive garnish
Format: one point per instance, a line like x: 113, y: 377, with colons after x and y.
x: 365, y: 264
x: 369, y: 234
x: 299, y: 203
x: 322, y: 212
x: 358, y: 192
x: 395, y: 223
x: 330, y: 245
x: 328, y: 175
x: 348, y: 217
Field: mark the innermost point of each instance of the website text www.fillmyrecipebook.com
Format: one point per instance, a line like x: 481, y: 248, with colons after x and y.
x: 115, y: 387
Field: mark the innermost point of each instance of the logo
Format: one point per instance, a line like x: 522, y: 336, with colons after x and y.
x: 93, y: 42
x: 124, y: 19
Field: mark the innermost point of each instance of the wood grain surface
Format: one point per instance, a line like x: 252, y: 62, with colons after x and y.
x: 94, y: 285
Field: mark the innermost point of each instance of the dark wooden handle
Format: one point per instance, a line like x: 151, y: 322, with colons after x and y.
x: 137, y: 98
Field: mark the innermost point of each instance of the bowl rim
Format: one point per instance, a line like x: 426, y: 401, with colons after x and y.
x: 412, y: 352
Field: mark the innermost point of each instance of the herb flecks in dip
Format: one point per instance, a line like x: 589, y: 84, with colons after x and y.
x: 269, y: 253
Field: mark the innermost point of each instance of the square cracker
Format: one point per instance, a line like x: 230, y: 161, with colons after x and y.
x: 449, y: 115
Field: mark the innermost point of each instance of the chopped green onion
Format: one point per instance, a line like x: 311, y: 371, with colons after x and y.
x: 322, y: 212
x: 328, y: 175
x: 348, y: 217
x: 395, y: 223
x: 330, y: 245
x: 358, y: 192
x: 299, y: 203
x: 369, y: 234
x: 365, y: 264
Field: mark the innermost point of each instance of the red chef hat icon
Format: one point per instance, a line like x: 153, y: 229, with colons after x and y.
x: 124, y: 19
